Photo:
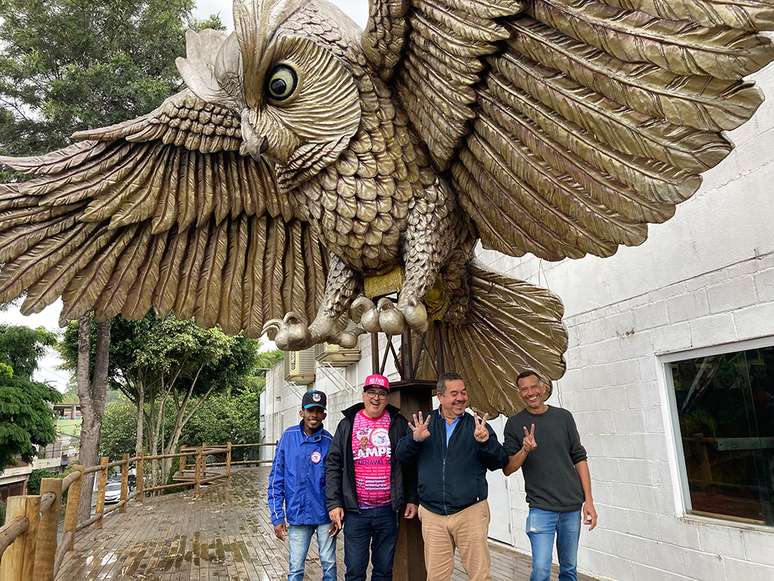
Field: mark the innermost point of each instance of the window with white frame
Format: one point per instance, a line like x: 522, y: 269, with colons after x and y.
x: 724, y: 403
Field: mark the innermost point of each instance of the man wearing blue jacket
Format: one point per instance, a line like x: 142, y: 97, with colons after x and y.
x: 297, y: 489
x: 453, y: 450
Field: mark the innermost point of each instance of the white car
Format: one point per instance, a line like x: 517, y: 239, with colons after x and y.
x: 112, y: 492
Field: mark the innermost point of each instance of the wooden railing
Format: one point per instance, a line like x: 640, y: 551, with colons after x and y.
x: 28, y: 540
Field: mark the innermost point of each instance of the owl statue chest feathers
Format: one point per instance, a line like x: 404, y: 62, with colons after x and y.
x: 360, y: 203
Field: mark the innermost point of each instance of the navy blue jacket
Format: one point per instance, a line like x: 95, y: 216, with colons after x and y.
x: 297, y: 479
x: 452, y: 478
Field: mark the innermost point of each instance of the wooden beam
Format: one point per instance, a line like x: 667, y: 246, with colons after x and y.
x: 73, y: 504
x: 14, y: 537
x: 102, y: 483
x: 198, y: 472
x: 124, y: 482
x: 45, y: 547
x: 33, y: 516
x: 140, y: 479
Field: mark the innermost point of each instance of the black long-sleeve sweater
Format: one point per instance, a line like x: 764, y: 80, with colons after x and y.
x: 550, y: 477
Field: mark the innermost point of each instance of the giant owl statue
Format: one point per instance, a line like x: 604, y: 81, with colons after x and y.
x: 306, y: 156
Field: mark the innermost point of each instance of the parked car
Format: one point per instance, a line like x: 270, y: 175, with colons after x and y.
x: 112, y: 492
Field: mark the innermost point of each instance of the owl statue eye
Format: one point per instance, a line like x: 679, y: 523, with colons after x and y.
x: 281, y: 82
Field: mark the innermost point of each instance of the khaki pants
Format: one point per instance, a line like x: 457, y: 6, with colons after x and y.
x: 466, y: 530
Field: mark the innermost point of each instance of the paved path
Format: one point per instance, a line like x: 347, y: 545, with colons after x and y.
x: 225, y: 535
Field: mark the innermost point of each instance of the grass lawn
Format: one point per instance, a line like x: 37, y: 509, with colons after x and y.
x: 70, y: 427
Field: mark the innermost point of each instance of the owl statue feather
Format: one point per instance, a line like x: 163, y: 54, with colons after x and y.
x: 306, y: 157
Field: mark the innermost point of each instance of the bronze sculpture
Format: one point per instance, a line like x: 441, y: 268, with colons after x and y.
x: 306, y: 155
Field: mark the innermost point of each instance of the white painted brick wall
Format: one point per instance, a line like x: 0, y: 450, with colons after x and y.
x: 612, y: 386
x: 704, y: 278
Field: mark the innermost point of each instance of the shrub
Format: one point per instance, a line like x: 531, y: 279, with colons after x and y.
x: 33, y: 484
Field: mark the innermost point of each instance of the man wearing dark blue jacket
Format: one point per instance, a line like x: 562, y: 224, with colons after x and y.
x: 297, y: 489
x: 453, y: 450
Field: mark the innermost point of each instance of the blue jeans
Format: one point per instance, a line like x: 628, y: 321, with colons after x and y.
x: 299, y: 537
x: 375, y: 529
x: 542, y: 526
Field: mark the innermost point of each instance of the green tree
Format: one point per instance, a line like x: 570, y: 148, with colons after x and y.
x: 119, y: 428
x: 266, y: 360
x: 168, y: 366
x: 225, y: 418
x: 67, y: 65
x: 221, y: 418
x: 22, y: 347
x: 26, y: 420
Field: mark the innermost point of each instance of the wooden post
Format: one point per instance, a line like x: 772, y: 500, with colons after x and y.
x: 101, y: 490
x: 12, y: 565
x: 73, y: 504
x: 228, y: 459
x: 181, y: 462
x: 140, y: 479
x: 33, y: 516
x: 45, y: 547
x: 410, y: 395
x: 375, y: 368
x: 198, y: 470
x: 124, y: 483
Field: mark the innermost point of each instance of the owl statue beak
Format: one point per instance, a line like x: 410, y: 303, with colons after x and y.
x: 253, y: 144
x: 253, y: 147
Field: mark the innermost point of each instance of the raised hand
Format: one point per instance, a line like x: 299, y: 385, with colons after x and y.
x: 481, y: 434
x: 529, y: 442
x: 419, y: 427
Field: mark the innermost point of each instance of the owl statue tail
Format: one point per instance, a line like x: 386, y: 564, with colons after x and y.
x: 511, y: 326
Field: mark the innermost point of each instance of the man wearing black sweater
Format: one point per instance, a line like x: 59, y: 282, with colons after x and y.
x: 556, y: 477
x: 452, y: 451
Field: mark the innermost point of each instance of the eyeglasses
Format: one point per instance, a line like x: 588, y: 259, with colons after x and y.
x: 377, y: 393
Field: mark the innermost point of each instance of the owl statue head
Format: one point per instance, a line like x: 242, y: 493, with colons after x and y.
x: 297, y: 100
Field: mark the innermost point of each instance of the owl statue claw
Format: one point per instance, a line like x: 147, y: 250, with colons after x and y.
x: 386, y: 317
x: 306, y: 156
x: 289, y: 333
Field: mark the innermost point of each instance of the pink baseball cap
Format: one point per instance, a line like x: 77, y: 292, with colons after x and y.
x: 376, y: 380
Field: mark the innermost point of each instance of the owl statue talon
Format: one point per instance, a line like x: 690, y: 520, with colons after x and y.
x: 415, y: 314
x: 348, y: 337
x: 391, y: 321
x: 289, y: 333
x: 364, y: 311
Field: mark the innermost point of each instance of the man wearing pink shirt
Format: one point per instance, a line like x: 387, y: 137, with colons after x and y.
x: 367, y: 489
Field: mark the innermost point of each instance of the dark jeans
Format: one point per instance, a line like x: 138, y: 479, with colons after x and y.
x: 375, y: 529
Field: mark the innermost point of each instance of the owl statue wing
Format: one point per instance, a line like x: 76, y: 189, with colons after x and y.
x: 158, y: 212
x: 569, y: 125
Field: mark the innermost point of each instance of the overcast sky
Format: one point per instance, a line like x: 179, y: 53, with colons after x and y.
x: 49, y: 318
x: 356, y: 9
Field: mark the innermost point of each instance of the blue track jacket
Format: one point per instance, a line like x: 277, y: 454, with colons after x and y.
x: 297, y: 479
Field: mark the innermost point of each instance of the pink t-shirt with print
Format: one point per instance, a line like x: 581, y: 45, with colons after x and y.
x: 371, y: 452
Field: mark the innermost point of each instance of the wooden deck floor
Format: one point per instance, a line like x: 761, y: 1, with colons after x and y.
x: 225, y: 535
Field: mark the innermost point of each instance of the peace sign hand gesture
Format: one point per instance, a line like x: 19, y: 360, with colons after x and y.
x: 419, y: 429
x: 481, y: 434
x: 529, y: 442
